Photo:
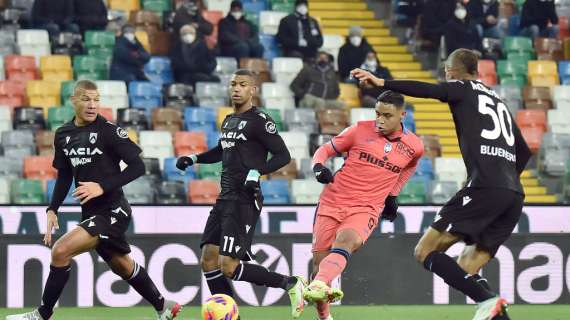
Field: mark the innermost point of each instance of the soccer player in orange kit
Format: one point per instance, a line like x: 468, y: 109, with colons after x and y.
x: 381, y: 156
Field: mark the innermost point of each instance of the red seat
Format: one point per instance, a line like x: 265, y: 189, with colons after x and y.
x: 535, y: 118
x: 107, y: 113
x: 39, y: 167
x: 213, y: 17
x: 12, y: 93
x: 21, y: 68
x: 486, y: 67
x: 203, y: 191
x: 533, y: 137
x: 192, y: 142
x: 564, y: 25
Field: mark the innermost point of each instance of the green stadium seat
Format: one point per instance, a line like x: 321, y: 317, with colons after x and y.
x: 414, y: 192
x: 90, y: 67
x: 526, y: 55
x: 275, y: 114
x: 67, y: 89
x: 99, y: 39
x: 105, y: 53
x: 27, y: 191
x: 283, y: 6
x: 210, y: 171
x: 253, y: 17
x: 519, y: 81
x: 514, y: 66
x: 57, y: 116
x: 157, y: 5
x: 518, y: 44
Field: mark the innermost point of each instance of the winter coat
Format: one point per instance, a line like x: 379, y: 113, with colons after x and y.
x: 192, y: 58
x: 312, y: 79
x: 128, y: 60
x: 350, y: 57
x: 537, y: 12
x: 229, y: 32
x: 288, y: 34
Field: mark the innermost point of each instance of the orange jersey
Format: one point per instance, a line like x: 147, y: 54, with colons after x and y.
x: 376, y: 166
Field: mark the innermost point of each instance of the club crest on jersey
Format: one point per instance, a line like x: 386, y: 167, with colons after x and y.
x: 93, y: 137
x: 122, y: 133
x: 67, y: 139
x: 270, y: 127
x: 387, y: 147
x: 242, y: 125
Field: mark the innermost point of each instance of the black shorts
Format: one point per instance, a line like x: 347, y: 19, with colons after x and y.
x: 231, y: 225
x: 481, y: 216
x: 110, y: 227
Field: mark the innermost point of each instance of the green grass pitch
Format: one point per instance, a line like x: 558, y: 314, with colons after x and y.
x: 516, y: 312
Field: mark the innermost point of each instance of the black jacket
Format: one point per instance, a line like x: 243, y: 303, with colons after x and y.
x: 436, y: 13
x: 322, y: 83
x: 288, y: 34
x: 350, y: 57
x: 229, y: 35
x: 182, y: 18
x: 461, y: 34
x: 192, y: 58
x: 539, y: 13
x: 128, y: 60
x: 90, y: 14
x: 56, y: 11
x: 478, y: 11
x: 382, y: 73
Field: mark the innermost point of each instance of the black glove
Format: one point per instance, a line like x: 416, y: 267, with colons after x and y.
x: 390, y: 211
x: 185, y: 161
x: 252, y: 184
x: 323, y: 174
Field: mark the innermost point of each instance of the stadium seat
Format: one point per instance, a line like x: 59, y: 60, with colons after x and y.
x: 518, y: 44
x: 284, y: 70
x: 144, y: 94
x: 531, y: 118
x: 425, y: 168
x: 413, y: 192
x: 5, y: 118
x: 148, y: 21
x: 113, y: 94
x: 361, y: 114
x: 213, y: 137
x: 57, y: 116
x: 564, y: 71
x: 316, y: 140
x: 211, y: 94
x: 34, y: 42
x: 332, y: 44
x: 533, y: 137
x: 269, y: 43
x: 259, y: 67
x: 25, y: 191
x: 350, y: 94
x: 179, y: 96
x: 12, y: 93
x: 287, y: 172
x: 450, y: 169
x: 199, y: 119
x: 306, y: 170
x: 29, y: 118
x: 11, y: 168
x: 277, y: 96
x: 301, y: 120
x: 305, y: 191
x: 4, y: 190
x: 549, y: 49
x: 186, y: 143
x: 220, y: 5
x: 225, y: 67
x: 508, y: 92
x: 124, y: 5
x: 7, y: 43
x: 554, y: 154
x: 39, y: 168
x: 156, y: 144
x: 537, y: 98
x: 159, y: 70
x: 158, y: 6
x: 275, y: 191
x: 67, y: 90
x: 332, y: 121
x: 487, y: 73
x: 542, y: 68
x: 559, y: 121
x: 152, y: 169
x: 171, y: 173
x: 275, y: 115
x: 56, y: 68
x: 140, y: 191
x: 171, y: 192
x: 298, y: 144
x: 100, y: 43
x: 223, y: 112
x: 44, y: 93
x: 20, y: 68
x: 269, y: 21
x: 167, y: 119
x: 203, y: 191
x: 44, y: 142
x: 211, y: 171
x: 560, y: 94
x: 90, y: 67
x: 432, y: 146
x: 442, y: 191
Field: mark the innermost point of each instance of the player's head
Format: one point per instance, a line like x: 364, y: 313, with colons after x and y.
x: 390, y: 112
x: 85, y: 101
x: 461, y: 65
x: 242, y: 87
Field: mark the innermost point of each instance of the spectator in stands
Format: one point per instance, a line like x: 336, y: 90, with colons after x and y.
x: 535, y: 18
x: 129, y: 57
x: 90, y: 14
x: 54, y: 15
x: 190, y: 13
x: 484, y: 14
x: 435, y: 15
x: 372, y: 64
x: 299, y: 34
x: 317, y: 84
x: 192, y: 61
x: 353, y: 52
x: 460, y: 33
x: 237, y: 36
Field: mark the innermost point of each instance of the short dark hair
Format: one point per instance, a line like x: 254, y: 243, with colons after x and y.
x: 84, y: 85
x: 391, y: 97
x: 465, y: 59
x: 244, y: 72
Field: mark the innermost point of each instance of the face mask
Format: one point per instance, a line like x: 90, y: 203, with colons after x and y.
x: 460, y: 14
x: 487, y: 1
x: 322, y: 63
x: 356, y: 41
x: 237, y: 14
x: 189, y: 38
x: 371, y: 63
x: 130, y: 36
x: 190, y: 8
x: 302, y: 9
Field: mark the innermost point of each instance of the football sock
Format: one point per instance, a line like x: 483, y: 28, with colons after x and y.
x: 261, y: 276
x: 332, y: 265
x: 56, y: 281
x: 445, y: 267
x: 145, y: 287
x: 218, y: 283
x: 323, y: 309
x: 482, y: 281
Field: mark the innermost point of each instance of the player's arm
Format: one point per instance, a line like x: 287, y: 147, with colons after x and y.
x: 211, y: 156
x: 339, y: 144
x: 268, y: 136
x: 523, y: 152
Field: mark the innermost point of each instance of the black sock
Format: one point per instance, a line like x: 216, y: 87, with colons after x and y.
x: 218, y: 283
x: 482, y: 281
x: 56, y: 281
x: 261, y: 276
x: 145, y: 287
x: 445, y: 267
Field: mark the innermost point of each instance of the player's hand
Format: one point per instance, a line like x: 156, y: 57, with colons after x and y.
x: 184, y: 162
x: 87, y: 191
x: 366, y: 78
x: 323, y: 174
x: 51, y: 224
x: 390, y: 211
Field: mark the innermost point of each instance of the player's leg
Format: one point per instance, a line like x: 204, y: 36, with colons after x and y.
x: 472, y: 260
x: 323, y: 307
x: 210, y: 258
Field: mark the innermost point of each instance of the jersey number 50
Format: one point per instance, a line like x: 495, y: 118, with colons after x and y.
x: 498, y: 117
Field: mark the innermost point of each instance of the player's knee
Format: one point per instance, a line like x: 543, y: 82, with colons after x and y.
x: 228, y: 266
x: 60, y: 255
x: 209, y: 259
x: 421, y: 252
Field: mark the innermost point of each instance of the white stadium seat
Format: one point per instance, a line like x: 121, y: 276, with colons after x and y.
x: 559, y: 121
x: 4, y: 190
x: 305, y: 191
x: 450, y: 169
x: 298, y: 145
x: 5, y: 118
x: 277, y: 96
x: 361, y: 114
x: 219, y: 5
x: 269, y: 21
x: 561, y: 94
x: 284, y: 70
x: 113, y: 94
x: 156, y: 144
x: 34, y: 42
x: 331, y: 45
